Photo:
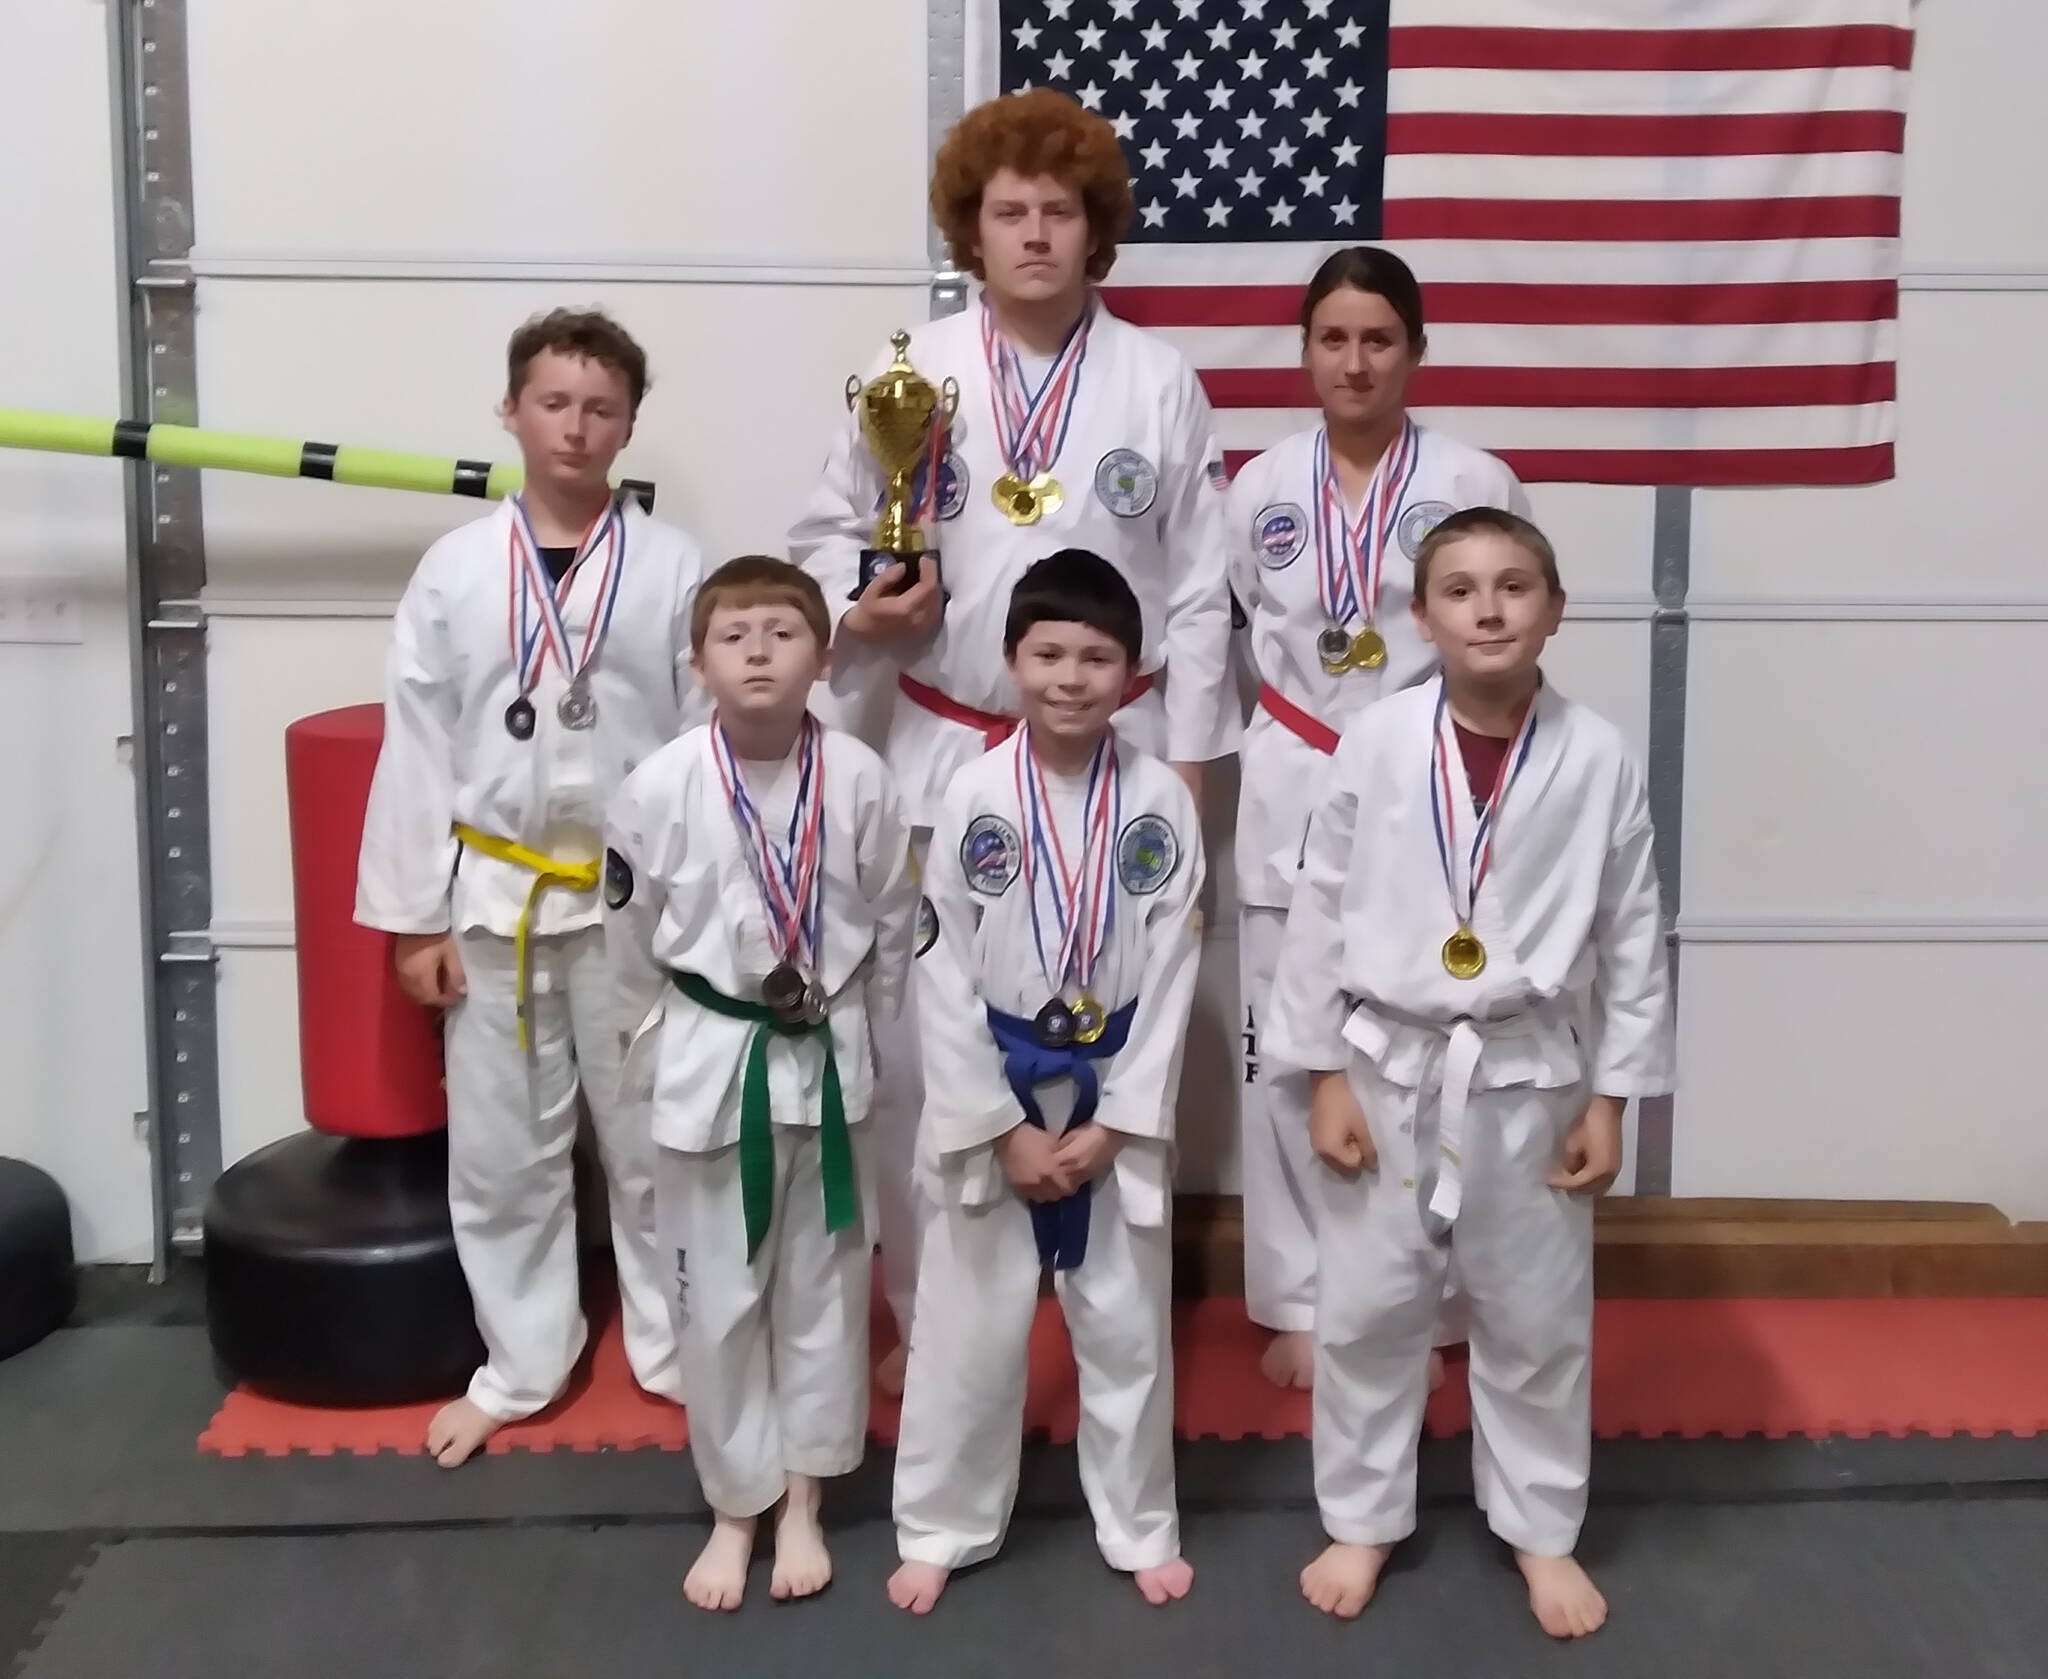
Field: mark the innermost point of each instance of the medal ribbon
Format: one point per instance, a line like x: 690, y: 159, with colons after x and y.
x: 537, y: 605
x: 1351, y: 556
x: 1032, y: 430
x: 1443, y: 802
x: 789, y: 877
x: 1084, y: 897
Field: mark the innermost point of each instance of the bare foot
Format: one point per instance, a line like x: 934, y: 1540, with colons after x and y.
x: 1289, y: 1360
x: 1166, y: 1583
x: 459, y: 1428
x: 1436, y: 1369
x: 1565, y: 1602
x: 916, y: 1586
x: 802, y: 1566
x: 718, y: 1578
x: 889, y: 1372
x: 1341, y: 1581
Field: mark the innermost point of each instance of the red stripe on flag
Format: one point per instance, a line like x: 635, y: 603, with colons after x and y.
x: 1505, y: 303
x: 1870, y: 464
x: 1830, y: 385
x: 1769, y: 134
x: 1676, y: 220
x: 1447, y: 47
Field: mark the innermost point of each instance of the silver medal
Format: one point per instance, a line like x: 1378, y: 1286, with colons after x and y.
x: 577, y: 707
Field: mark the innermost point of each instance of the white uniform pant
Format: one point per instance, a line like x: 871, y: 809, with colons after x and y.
x: 901, y: 1208
x: 774, y: 1351
x: 1525, y: 1256
x: 963, y: 1403
x: 511, y: 1186
x: 1279, y: 1167
x: 1280, y: 1171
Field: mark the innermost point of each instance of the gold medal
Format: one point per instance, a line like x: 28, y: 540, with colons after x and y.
x: 1047, y: 489
x: 1368, y: 649
x: 1464, y: 955
x: 1015, y: 498
x: 1090, y: 1022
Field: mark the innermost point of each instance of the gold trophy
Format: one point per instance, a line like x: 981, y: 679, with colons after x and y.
x: 899, y: 410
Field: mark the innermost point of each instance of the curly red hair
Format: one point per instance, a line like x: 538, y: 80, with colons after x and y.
x: 1039, y: 132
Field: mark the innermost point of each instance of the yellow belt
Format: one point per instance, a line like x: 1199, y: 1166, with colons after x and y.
x: 547, y: 871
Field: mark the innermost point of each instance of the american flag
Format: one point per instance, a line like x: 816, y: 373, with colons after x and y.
x: 1649, y: 255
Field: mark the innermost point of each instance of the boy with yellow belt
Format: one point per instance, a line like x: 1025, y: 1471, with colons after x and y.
x: 538, y: 655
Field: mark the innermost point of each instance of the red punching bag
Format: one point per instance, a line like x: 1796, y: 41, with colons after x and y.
x: 369, y: 1057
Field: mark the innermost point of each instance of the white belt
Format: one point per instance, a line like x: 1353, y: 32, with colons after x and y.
x: 1464, y: 1040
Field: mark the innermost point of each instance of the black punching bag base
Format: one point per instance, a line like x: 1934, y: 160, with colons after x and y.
x: 38, y: 1287
x: 331, y: 1276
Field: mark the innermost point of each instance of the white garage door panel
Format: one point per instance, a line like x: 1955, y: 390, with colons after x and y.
x: 1882, y: 1071
x: 1973, y: 384
x: 1873, y: 770
x: 263, y: 676
x: 1602, y: 536
x: 606, y: 129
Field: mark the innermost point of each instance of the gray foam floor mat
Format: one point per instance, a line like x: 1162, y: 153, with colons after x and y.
x: 1914, y: 1590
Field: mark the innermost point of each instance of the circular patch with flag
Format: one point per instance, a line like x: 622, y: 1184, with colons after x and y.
x: 990, y: 855
x: 952, y: 494
x: 1280, y: 532
x: 1147, y: 853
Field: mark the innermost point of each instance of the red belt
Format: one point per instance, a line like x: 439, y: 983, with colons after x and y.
x: 995, y: 726
x: 1309, y: 730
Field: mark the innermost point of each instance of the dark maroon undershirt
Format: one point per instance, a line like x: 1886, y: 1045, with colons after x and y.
x: 1483, y: 755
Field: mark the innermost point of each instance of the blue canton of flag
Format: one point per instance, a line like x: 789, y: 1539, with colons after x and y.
x: 1241, y: 119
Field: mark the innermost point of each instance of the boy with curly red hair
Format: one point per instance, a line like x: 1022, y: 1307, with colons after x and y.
x: 1074, y: 430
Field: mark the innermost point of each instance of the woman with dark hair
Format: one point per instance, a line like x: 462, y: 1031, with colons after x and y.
x: 1324, y: 528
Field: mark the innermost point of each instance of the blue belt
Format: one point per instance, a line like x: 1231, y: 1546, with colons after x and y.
x: 1060, y: 1226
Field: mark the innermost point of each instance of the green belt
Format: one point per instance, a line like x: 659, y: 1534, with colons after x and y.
x: 757, y: 1139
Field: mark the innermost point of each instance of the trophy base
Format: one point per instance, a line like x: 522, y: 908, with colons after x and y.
x: 875, y: 561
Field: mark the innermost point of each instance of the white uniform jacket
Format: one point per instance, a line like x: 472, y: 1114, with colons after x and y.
x: 1575, y: 989
x: 982, y: 952
x: 448, y: 757
x: 1143, y: 482
x: 679, y: 898
x: 1271, y: 522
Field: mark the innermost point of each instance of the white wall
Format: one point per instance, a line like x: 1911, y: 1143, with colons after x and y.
x: 71, y: 1037
x: 369, y: 230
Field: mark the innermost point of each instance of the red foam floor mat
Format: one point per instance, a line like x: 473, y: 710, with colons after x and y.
x: 1688, y: 1368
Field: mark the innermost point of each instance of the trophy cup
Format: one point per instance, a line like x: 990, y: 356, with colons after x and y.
x: 899, y: 410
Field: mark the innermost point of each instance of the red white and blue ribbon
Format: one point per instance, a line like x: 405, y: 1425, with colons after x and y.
x: 1445, y: 795
x: 1083, y: 895
x: 789, y: 875
x: 1351, y: 557
x: 538, y: 602
x: 1032, y: 426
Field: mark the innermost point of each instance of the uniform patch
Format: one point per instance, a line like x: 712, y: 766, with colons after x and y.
x: 1418, y: 520
x: 927, y: 925
x: 1279, y: 533
x: 1146, y: 855
x: 990, y: 855
x: 1218, y: 473
x: 952, y: 485
x: 618, y: 880
x: 1126, y: 482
